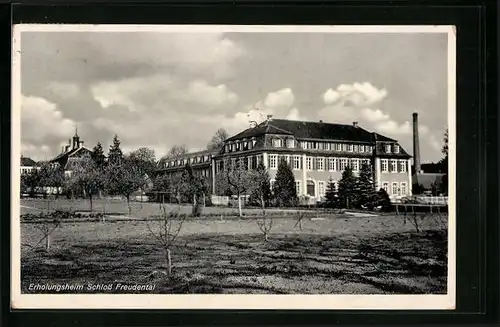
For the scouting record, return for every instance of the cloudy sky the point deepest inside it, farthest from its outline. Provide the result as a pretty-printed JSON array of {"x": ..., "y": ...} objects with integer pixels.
[{"x": 159, "y": 89}]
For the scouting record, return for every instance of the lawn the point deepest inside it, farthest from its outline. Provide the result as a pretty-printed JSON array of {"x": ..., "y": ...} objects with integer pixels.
[{"x": 338, "y": 254}]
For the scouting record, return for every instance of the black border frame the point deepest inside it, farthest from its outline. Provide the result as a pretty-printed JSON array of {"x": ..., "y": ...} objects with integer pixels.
[{"x": 477, "y": 148}]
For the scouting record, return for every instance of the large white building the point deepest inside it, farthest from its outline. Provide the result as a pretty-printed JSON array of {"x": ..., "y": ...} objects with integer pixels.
[{"x": 316, "y": 152}]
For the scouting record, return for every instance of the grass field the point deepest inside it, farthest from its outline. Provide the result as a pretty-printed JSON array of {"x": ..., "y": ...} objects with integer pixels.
[{"x": 339, "y": 254}]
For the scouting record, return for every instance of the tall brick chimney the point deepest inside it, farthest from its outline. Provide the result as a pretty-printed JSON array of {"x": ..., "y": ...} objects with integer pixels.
[{"x": 416, "y": 144}]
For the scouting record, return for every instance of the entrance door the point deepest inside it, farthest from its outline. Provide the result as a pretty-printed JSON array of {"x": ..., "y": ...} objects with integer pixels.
[{"x": 311, "y": 188}]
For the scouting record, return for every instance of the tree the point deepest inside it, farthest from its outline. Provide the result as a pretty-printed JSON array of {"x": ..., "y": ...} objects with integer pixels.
[
  {"x": 348, "y": 188},
  {"x": 261, "y": 193},
  {"x": 239, "y": 181},
  {"x": 331, "y": 194},
  {"x": 115, "y": 154},
  {"x": 218, "y": 139},
  {"x": 145, "y": 159},
  {"x": 88, "y": 177},
  {"x": 366, "y": 185},
  {"x": 98, "y": 156},
  {"x": 175, "y": 152},
  {"x": 444, "y": 164},
  {"x": 384, "y": 200},
  {"x": 31, "y": 181},
  {"x": 193, "y": 187},
  {"x": 284, "y": 190},
  {"x": 124, "y": 179},
  {"x": 167, "y": 229}
]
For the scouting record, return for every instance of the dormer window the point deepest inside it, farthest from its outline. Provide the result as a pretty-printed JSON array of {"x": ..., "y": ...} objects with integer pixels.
[
  {"x": 396, "y": 148},
  {"x": 253, "y": 142},
  {"x": 277, "y": 143},
  {"x": 350, "y": 147},
  {"x": 290, "y": 143},
  {"x": 387, "y": 148}
]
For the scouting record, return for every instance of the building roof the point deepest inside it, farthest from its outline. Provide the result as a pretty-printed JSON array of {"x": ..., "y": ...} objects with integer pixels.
[
  {"x": 28, "y": 162},
  {"x": 312, "y": 130}
]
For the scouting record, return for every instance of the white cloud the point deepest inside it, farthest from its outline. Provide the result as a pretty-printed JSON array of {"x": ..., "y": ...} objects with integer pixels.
[
  {"x": 201, "y": 92},
  {"x": 357, "y": 94},
  {"x": 283, "y": 98},
  {"x": 41, "y": 124},
  {"x": 160, "y": 92},
  {"x": 212, "y": 52},
  {"x": 43, "y": 119}
]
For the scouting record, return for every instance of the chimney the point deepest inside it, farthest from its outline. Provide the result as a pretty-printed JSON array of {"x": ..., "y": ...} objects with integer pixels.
[
  {"x": 355, "y": 123},
  {"x": 269, "y": 117},
  {"x": 416, "y": 144},
  {"x": 321, "y": 121}
]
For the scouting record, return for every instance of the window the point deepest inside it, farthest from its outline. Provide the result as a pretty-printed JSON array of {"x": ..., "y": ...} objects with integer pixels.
[
  {"x": 303, "y": 145},
  {"x": 368, "y": 149},
  {"x": 277, "y": 143},
  {"x": 296, "y": 162},
  {"x": 317, "y": 145},
  {"x": 259, "y": 160},
  {"x": 396, "y": 148},
  {"x": 290, "y": 143},
  {"x": 385, "y": 186},
  {"x": 309, "y": 163},
  {"x": 297, "y": 186},
  {"x": 320, "y": 163},
  {"x": 403, "y": 188},
  {"x": 331, "y": 164},
  {"x": 343, "y": 163},
  {"x": 321, "y": 188},
  {"x": 272, "y": 184},
  {"x": 384, "y": 165},
  {"x": 252, "y": 144},
  {"x": 387, "y": 148},
  {"x": 356, "y": 148},
  {"x": 338, "y": 146},
  {"x": 361, "y": 148},
  {"x": 273, "y": 161},
  {"x": 394, "y": 166},
  {"x": 394, "y": 188},
  {"x": 287, "y": 159},
  {"x": 326, "y": 146},
  {"x": 402, "y": 166},
  {"x": 355, "y": 164},
  {"x": 350, "y": 147},
  {"x": 233, "y": 162}
]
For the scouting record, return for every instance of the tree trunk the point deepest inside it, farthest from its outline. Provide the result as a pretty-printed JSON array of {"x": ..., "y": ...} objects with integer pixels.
[
  {"x": 47, "y": 242},
  {"x": 169, "y": 262},
  {"x": 90, "y": 200},
  {"x": 240, "y": 214},
  {"x": 128, "y": 205}
]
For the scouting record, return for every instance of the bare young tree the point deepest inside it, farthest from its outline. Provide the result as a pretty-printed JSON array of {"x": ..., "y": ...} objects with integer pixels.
[
  {"x": 218, "y": 139},
  {"x": 239, "y": 180},
  {"x": 258, "y": 183},
  {"x": 300, "y": 216},
  {"x": 166, "y": 231},
  {"x": 47, "y": 224}
]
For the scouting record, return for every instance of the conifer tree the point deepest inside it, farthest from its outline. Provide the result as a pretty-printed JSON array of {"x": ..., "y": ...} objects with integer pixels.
[
  {"x": 366, "y": 185},
  {"x": 331, "y": 194},
  {"x": 348, "y": 188},
  {"x": 98, "y": 155},
  {"x": 115, "y": 154},
  {"x": 285, "y": 193}
]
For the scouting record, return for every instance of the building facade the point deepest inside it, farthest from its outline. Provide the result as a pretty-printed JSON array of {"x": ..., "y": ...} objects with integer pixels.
[{"x": 316, "y": 153}]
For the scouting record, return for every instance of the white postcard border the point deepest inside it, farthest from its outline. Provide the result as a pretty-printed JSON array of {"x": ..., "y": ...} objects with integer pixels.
[{"x": 174, "y": 301}]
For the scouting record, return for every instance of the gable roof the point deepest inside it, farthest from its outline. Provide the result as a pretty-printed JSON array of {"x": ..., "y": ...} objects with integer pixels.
[
  {"x": 28, "y": 162},
  {"x": 312, "y": 130}
]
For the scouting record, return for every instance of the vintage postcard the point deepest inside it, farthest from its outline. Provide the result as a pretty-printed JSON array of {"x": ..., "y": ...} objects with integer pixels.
[{"x": 233, "y": 167}]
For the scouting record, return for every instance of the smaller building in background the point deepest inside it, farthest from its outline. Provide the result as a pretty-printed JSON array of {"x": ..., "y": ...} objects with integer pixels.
[
  {"x": 71, "y": 154},
  {"x": 28, "y": 165}
]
